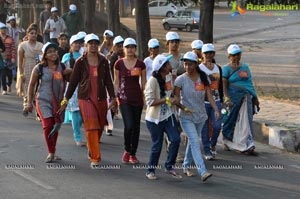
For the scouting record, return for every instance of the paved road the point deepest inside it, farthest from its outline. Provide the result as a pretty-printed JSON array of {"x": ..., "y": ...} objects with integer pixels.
[{"x": 235, "y": 176}]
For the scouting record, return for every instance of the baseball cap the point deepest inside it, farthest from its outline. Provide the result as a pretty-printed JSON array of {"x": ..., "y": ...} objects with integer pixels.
[
  {"x": 2, "y": 25},
  {"x": 74, "y": 38},
  {"x": 11, "y": 18},
  {"x": 109, "y": 33},
  {"x": 153, "y": 43},
  {"x": 172, "y": 36},
  {"x": 81, "y": 35},
  {"x": 73, "y": 7},
  {"x": 190, "y": 56},
  {"x": 47, "y": 45},
  {"x": 208, "y": 48},
  {"x": 118, "y": 39},
  {"x": 159, "y": 61},
  {"x": 54, "y": 9},
  {"x": 91, "y": 37},
  {"x": 129, "y": 41},
  {"x": 233, "y": 49},
  {"x": 197, "y": 44}
]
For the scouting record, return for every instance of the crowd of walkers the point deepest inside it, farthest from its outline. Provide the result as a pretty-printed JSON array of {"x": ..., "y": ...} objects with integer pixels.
[{"x": 66, "y": 75}]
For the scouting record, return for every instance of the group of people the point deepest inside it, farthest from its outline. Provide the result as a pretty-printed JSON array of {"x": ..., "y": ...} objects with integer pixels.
[{"x": 89, "y": 81}]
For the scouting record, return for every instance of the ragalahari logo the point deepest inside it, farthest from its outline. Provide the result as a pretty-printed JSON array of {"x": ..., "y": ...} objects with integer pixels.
[{"x": 237, "y": 9}]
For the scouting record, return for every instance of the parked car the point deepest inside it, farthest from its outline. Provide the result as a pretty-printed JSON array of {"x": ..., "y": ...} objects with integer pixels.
[
  {"x": 160, "y": 8},
  {"x": 187, "y": 19}
]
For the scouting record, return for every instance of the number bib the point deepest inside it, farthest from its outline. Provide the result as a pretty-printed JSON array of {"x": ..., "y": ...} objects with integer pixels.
[
  {"x": 57, "y": 75},
  {"x": 135, "y": 71},
  {"x": 199, "y": 86}
]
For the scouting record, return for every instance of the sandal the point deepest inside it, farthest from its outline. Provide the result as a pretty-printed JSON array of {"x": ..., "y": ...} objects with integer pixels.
[
  {"x": 173, "y": 173},
  {"x": 49, "y": 158}
]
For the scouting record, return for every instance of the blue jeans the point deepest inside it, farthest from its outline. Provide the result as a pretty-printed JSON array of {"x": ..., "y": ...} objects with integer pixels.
[
  {"x": 193, "y": 150},
  {"x": 132, "y": 121},
  {"x": 206, "y": 141},
  {"x": 170, "y": 126},
  {"x": 76, "y": 125},
  {"x": 3, "y": 79}
]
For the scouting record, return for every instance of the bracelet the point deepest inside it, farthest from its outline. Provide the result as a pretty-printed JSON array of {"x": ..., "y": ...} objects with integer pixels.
[
  {"x": 185, "y": 109},
  {"x": 227, "y": 99},
  {"x": 168, "y": 102},
  {"x": 63, "y": 102},
  {"x": 22, "y": 75}
]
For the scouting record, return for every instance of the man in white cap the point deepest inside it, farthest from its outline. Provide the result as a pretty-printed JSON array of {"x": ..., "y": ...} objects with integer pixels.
[
  {"x": 196, "y": 47},
  {"x": 153, "y": 48},
  {"x": 44, "y": 16},
  {"x": 55, "y": 25},
  {"x": 91, "y": 72},
  {"x": 107, "y": 43},
  {"x": 13, "y": 30},
  {"x": 73, "y": 20}
]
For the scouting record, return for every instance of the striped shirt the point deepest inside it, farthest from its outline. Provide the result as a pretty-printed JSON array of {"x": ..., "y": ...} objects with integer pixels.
[{"x": 10, "y": 48}]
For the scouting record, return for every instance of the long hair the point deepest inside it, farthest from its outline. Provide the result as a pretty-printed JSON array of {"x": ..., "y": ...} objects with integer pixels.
[
  {"x": 160, "y": 80},
  {"x": 203, "y": 76}
]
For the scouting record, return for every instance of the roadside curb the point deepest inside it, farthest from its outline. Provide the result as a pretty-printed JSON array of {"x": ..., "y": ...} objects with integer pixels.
[{"x": 280, "y": 137}]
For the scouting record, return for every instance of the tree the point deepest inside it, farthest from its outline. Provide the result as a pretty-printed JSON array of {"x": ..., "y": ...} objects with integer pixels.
[
  {"x": 143, "y": 31},
  {"x": 89, "y": 14},
  {"x": 206, "y": 20},
  {"x": 113, "y": 19}
]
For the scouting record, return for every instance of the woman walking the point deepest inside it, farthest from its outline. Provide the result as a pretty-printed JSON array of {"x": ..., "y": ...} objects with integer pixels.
[
  {"x": 28, "y": 52},
  {"x": 128, "y": 72},
  {"x": 50, "y": 76},
  {"x": 72, "y": 111},
  {"x": 91, "y": 75},
  {"x": 191, "y": 88},
  {"x": 209, "y": 136},
  {"x": 240, "y": 98},
  {"x": 160, "y": 116}
]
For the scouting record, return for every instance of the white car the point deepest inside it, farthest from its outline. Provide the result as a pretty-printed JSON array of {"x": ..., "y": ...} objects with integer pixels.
[{"x": 160, "y": 8}]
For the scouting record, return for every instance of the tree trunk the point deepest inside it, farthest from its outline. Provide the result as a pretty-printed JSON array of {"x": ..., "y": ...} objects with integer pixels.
[
  {"x": 36, "y": 10},
  {"x": 113, "y": 19},
  {"x": 64, "y": 6},
  {"x": 206, "y": 20},
  {"x": 89, "y": 15},
  {"x": 122, "y": 8},
  {"x": 102, "y": 6},
  {"x": 23, "y": 13},
  {"x": 143, "y": 30}
]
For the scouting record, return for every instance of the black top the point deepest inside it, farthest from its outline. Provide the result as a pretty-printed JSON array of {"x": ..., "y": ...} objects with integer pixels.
[{"x": 62, "y": 51}]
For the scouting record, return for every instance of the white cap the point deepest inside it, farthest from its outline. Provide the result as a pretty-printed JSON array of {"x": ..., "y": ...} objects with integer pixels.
[
  {"x": 91, "y": 37},
  {"x": 109, "y": 33},
  {"x": 74, "y": 38},
  {"x": 54, "y": 9},
  {"x": 191, "y": 56},
  {"x": 233, "y": 49},
  {"x": 73, "y": 7},
  {"x": 172, "y": 36},
  {"x": 159, "y": 61},
  {"x": 208, "y": 48},
  {"x": 118, "y": 39},
  {"x": 197, "y": 44},
  {"x": 2, "y": 25},
  {"x": 129, "y": 41},
  {"x": 48, "y": 45},
  {"x": 81, "y": 35},
  {"x": 11, "y": 18},
  {"x": 153, "y": 43}
]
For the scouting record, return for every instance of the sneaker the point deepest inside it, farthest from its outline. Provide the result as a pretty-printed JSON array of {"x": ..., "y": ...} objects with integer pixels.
[
  {"x": 173, "y": 173},
  {"x": 4, "y": 93},
  {"x": 188, "y": 173},
  {"x": 81, "y": 144},
  {"x": 125, "y": 157},
  {"x": 205, "y": 176},
  {"x": 8, "y": 89},
  {"x": 208, "y": 157},
  {"x": 108, "y": 133},
  {"x": 94, "y": 165},
  {"x": 89, "y": 155},
  {"x": 133, "y": 159},
  {"x": 151, "y": 176},
  {"x": 49, "y": 158}
]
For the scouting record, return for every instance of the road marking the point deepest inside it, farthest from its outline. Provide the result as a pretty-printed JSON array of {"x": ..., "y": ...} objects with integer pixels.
[
  {"x": 295, "y": 166},
  {"x": 33, "y": 180}
]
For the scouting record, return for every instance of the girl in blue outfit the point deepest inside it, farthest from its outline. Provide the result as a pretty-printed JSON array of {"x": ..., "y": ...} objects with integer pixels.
[
  {"x": 240, "y": 97},
  {"x": 72, "y": 111}
]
